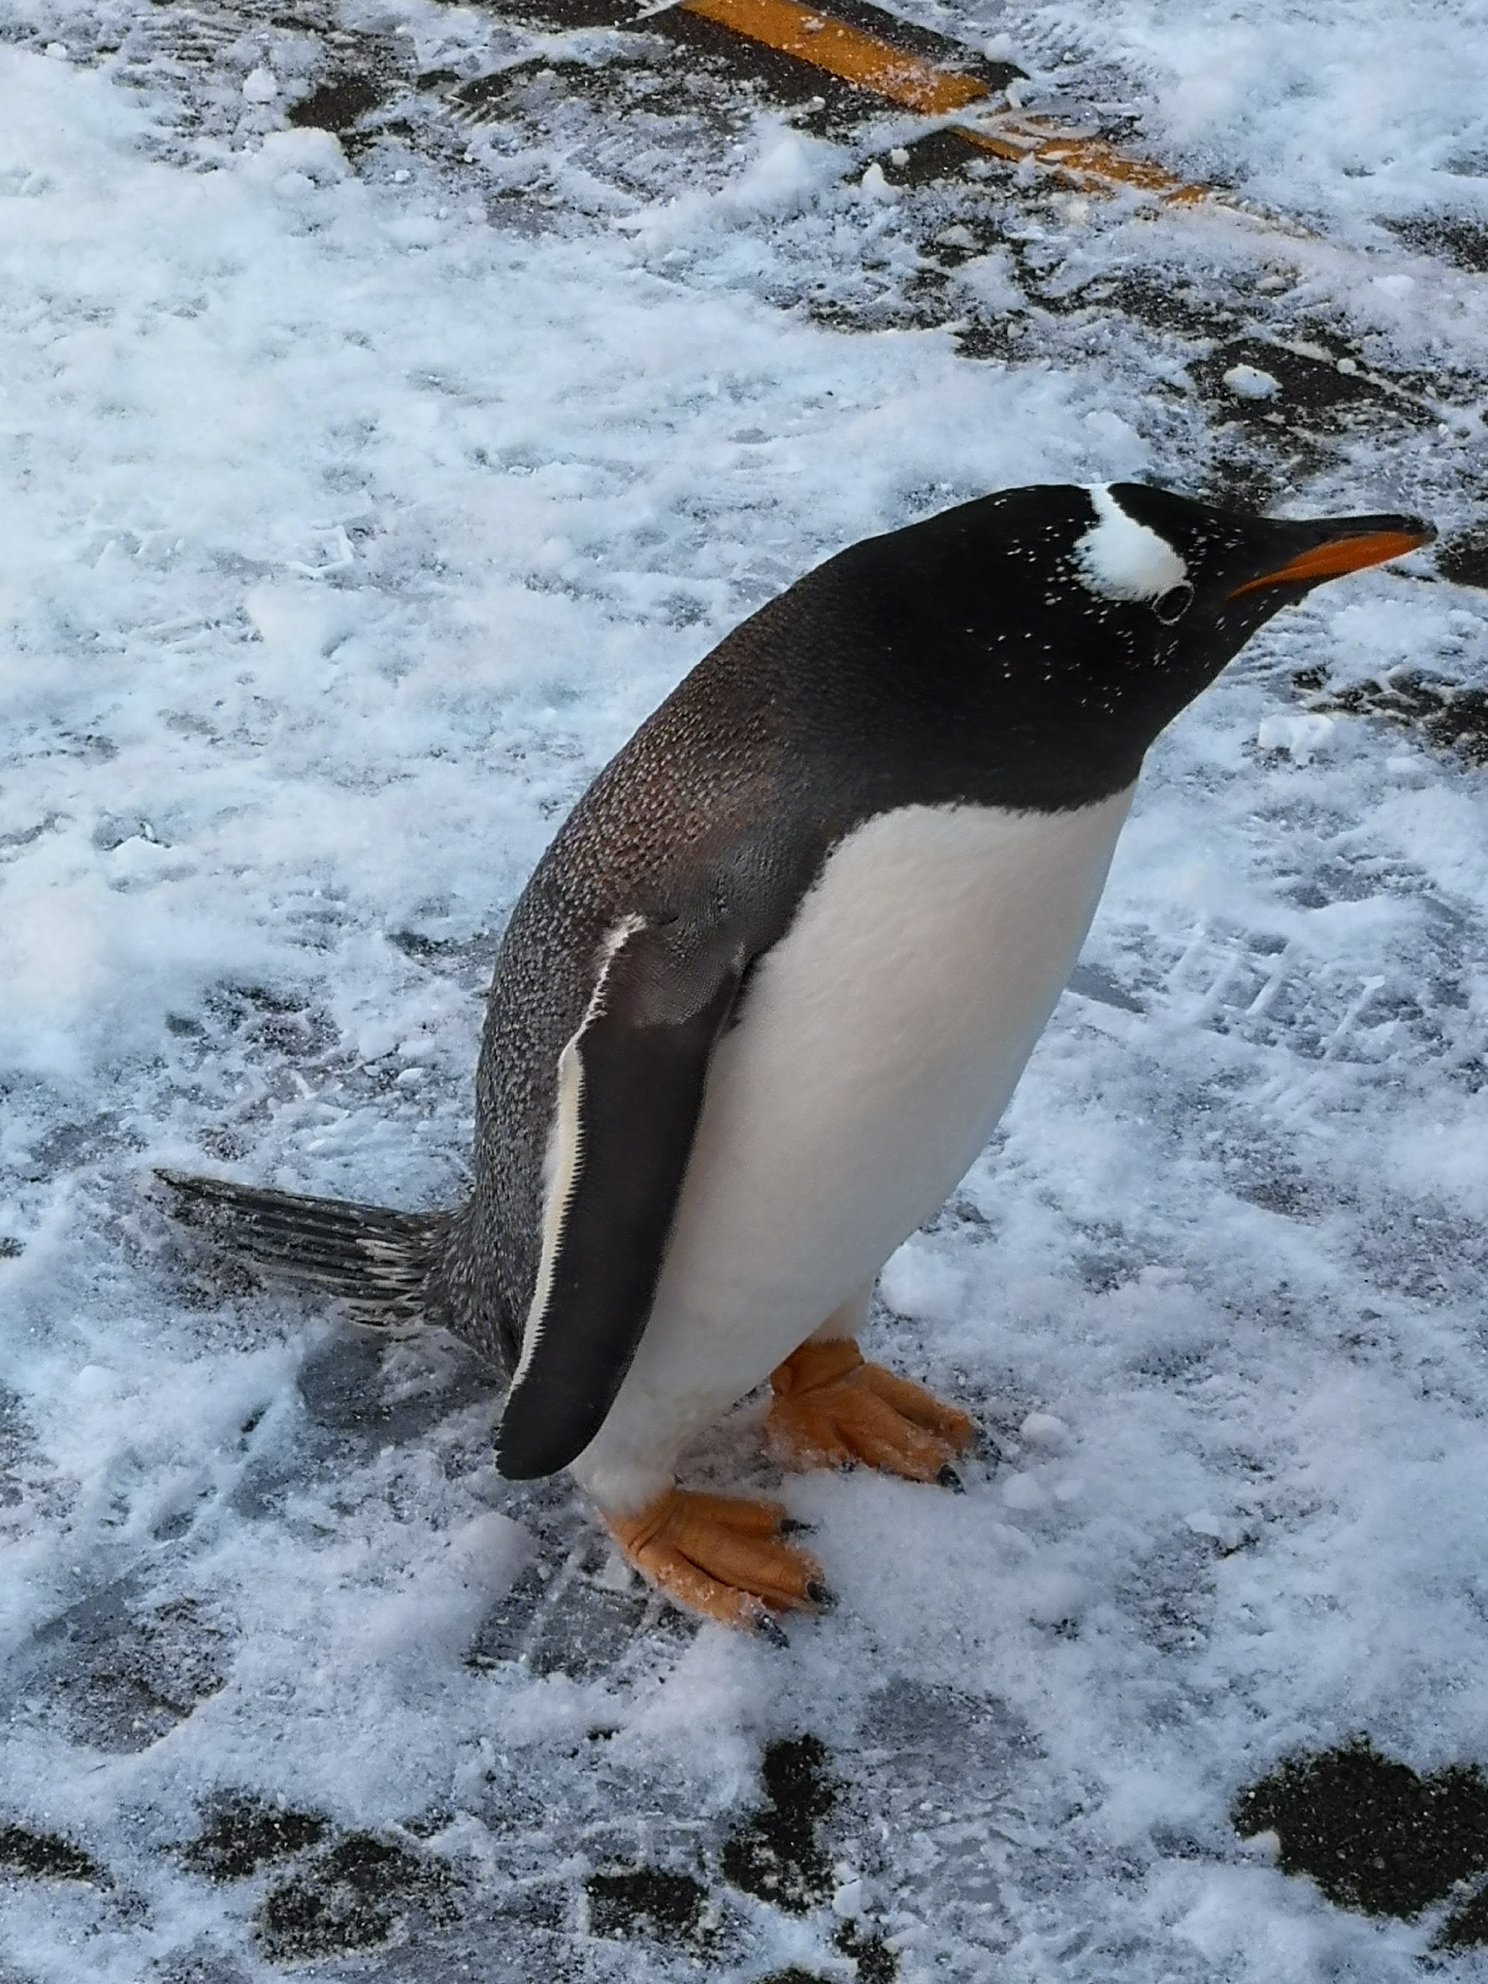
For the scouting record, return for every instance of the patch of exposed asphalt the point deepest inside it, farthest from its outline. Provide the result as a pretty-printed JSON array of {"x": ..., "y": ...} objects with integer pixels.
[
  {"x": 1466, "y": 1928},
  {"x": 352, "y": 1897},
  {"x": 872, "y": 1957},
  {"x": 1463, "y": 557},
  {"x": 243, "y": 1833},
  {"x": 1446, "y": 714},
  {"x": 46, "y": 1856},
  {"x": 776, "y": 1855},
  {"x": 338, "y": 103},
  {"x": 1461, "y": 242},
  {"x": 872, "y": 1960},
  {"x": 649, "y": 1902},
  {"x": 1301, "y": 384},
  {"x": 1376, "y": 1835}
]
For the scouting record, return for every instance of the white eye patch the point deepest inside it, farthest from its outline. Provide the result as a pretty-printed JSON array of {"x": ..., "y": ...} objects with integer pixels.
[{"x": 1118, "y": 558}]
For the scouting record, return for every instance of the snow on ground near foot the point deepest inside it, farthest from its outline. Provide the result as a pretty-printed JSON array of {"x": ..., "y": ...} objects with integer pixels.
[{"x": 344, "y": 539}]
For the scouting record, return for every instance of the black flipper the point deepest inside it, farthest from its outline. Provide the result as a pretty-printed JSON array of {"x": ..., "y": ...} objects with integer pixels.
[
  {"x": 630, "y": 1092},
  {"x": 386, "y": 1266}
]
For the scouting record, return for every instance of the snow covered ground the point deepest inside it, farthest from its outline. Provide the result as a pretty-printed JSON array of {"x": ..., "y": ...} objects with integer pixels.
[{"x": 353, "y": 513}]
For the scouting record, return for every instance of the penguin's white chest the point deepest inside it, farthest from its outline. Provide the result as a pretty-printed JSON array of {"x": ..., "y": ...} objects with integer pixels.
[{"x": 878, "y": 1044}]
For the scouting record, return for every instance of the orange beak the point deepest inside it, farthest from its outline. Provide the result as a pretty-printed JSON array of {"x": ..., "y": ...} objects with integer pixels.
[{"x": 1330, "y": 561}]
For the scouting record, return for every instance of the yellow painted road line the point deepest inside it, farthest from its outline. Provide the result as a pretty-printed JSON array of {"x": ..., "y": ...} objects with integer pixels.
[
  {"x": 1089, "y": 162},
  {"x": 855, "y": 56},
  {"x": 844, "y": 51}
]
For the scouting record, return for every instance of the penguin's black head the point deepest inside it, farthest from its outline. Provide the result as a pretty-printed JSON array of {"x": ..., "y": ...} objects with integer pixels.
[
  {"x": 1031, "y": 645},
  {"x": 1184, "y": 585},
  {"x": 1167, "y": 590}
]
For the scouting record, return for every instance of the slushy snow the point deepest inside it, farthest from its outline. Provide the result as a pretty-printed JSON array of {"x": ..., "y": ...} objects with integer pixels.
[{"x": 345, "y": 536}]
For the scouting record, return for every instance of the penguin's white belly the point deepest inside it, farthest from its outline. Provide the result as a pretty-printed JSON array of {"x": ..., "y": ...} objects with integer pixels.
[{"x": 879, "y": 1042}]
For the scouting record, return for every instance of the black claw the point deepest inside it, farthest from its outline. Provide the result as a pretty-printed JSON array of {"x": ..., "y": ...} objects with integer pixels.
[
  {"x": 793, "y": 1526},
  {"x": 769, "y": 1628},
  {"x": 820, "y": 1597},
  {"x": 949, "y": 1478}
]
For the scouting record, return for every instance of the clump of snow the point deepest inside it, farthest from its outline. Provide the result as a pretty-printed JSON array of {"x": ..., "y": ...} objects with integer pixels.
[
  {"x": 923, "y": 1282},
  {"x": 1249, "y": 382},
  {"x": 1044, "y": 1429},
  {"x": 1302, "y": 734}
]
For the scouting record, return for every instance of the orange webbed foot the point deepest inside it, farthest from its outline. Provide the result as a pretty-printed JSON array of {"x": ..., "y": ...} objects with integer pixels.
[
  {"x": 719, "y": 1556},
  {"x": 832, "y": 1409}
]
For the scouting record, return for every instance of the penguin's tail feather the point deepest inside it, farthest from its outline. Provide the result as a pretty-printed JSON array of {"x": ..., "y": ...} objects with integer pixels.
[{"x": 386, "y": 1267}]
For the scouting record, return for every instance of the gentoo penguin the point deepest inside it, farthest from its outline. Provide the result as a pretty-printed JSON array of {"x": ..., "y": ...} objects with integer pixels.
[{"x": 771, "y": 986}]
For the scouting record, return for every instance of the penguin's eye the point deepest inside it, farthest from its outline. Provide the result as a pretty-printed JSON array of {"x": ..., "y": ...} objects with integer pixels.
[{"x": 1174, "y": 603}]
